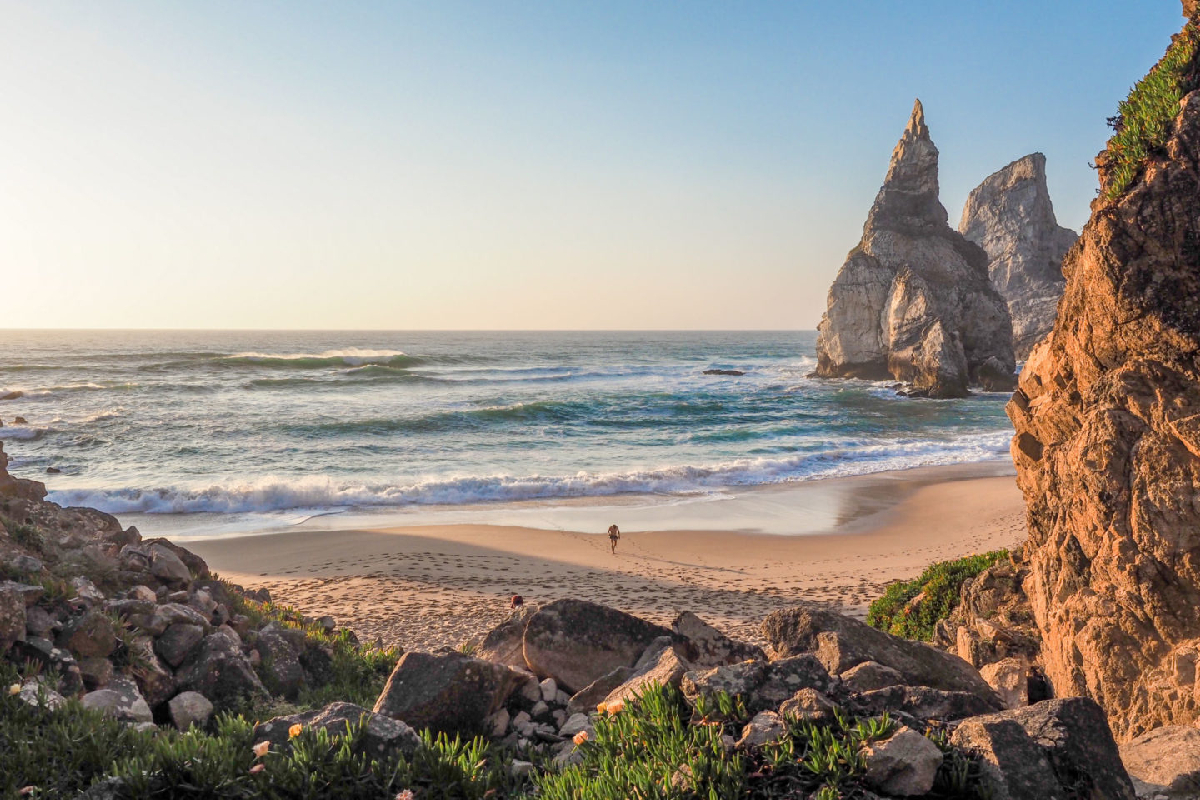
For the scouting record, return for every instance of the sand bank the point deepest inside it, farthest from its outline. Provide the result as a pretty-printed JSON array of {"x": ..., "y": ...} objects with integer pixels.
[{"x": 429, "y": 585}]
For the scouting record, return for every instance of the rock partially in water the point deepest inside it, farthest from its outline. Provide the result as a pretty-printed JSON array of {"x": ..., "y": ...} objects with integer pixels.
[{"x": 913, "y": 300}]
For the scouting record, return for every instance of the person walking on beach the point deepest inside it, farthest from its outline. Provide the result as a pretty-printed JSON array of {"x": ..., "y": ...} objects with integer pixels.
[{"x": 614, "y": 535}]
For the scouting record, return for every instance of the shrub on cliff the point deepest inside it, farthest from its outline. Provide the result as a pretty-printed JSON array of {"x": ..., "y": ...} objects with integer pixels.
[
  {"x": 912, "y": 608},
  {"x": 1143, "y": 120}
]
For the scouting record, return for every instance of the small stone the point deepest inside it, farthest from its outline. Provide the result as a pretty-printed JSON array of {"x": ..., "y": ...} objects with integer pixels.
[
  {"x": 766, "y": 727},
  {"x": 499, "y": 722},
  {"x": 188, "y": 709},
  {"x": 120, "y": 700},
  {"x": 548, "y": 689},
  {"x": 540, "y": 709}
]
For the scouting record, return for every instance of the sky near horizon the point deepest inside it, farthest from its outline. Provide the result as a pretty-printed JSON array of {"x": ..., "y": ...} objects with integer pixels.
[{"x": 511, "y": 165}]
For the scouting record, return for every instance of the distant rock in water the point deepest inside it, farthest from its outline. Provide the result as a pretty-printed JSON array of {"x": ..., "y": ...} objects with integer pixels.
[
  {"x": 913, "y": 300},
  {"x": 1107, "y": 444},
  {"x": 1011, "y": 217},
  {"x": 734, "y": 372}
]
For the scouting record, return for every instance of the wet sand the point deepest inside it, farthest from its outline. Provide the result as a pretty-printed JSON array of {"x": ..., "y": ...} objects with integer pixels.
[{"x": 432, "y": 585}]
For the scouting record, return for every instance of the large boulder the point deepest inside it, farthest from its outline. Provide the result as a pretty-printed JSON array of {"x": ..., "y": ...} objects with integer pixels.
[
  {"x": 904, "y": 765},
  {"x": 660, "y": 665},
  {"x": 1165, "y": 762},
  {"x": 448, "y": 693},
  {"x": 705, "y": 646},
  {"x": 382, "y": 735},
  {"x": 575, "y": 642},
  {"x": 761, "y": 685},
  {"x": 505, "y": 644},
  {"x": 841, "y": 643},
  {"x": 913, "y": 301},
  {"x": 1107, "y": 444},
  {"x": 90, "y": 634},
  {"x": 1054, "y": 749},
  {"x": 1011, "y": 217}
]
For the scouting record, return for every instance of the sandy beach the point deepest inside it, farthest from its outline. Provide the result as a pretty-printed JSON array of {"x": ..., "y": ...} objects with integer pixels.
[{"x": 427, "y": 586}]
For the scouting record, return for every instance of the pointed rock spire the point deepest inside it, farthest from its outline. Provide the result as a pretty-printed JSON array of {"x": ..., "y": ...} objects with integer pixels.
[{"x": 908, "y": 199}]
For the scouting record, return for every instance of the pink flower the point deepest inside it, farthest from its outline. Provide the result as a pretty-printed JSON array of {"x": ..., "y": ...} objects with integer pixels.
[
  {"x": 261, "y": 749},
  {"x": 257, "y": 768},
  {"x": 406, "y": 794}
]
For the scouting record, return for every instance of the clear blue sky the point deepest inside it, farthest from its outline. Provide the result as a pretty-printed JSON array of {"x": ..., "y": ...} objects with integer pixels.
[{"x": 511, "y": 165}]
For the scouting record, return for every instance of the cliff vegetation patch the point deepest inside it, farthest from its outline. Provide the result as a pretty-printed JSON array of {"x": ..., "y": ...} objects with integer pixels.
[
  {"x": 911, "y": 609},
  {"x": 1143, "y": 121}
]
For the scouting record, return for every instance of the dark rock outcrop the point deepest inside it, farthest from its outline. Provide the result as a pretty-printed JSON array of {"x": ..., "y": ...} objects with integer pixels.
[
  {"x": 841, "y": 643},
  {"x": 1011, "y": 217},
  {"x": 913, "y": 301},
  {"x": 451, "y": 693},
  {"x": 381, "y": 735},
  {"x": 1107, "y": 448},
  {"x": 576, "y": 642},
  {"x": 1054, "y": 749}
]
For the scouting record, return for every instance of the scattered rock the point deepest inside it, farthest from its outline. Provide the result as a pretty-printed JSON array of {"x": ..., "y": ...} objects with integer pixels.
[
  {"x": 1165, "y": 762},
  {"x": 382, "y": 735},
  {"x": 220, "y": 671},
  {"x": 12, "y": 616},
  {"x": 120, "y": 700},
  {"x": 870, "y": 675},
  {"x": 923, "y": 703},
  {"x": 91, "y": 634},
  {"x": 841, "y": 643},
  {"x": 905, "y": 764},
  {"x": 660, "y": 665},
  {"x": 1010, "y": 679},
  {"x": 734, "y": 372},
  {"x": 705, "y": 646},
  {"x": 451, "y": 693},
  {"x": 38, "y": 694},
  {"x": 188, "y": 709},
  {"x": 807, "y": 704},
  {"x": 766, "y": 727},
  {"x": 178, "y": 641},
  {"x": 587, "y": 698}
]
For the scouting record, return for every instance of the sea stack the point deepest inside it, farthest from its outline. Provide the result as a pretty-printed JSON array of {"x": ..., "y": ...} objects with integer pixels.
[
  {"x": 913, "y": 301},
  {"x": 1107, "y": 444},
  {"x": 1011, "y": 217}
]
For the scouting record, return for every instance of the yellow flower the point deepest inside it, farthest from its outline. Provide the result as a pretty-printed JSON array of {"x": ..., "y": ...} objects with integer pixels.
[
  {"x": 616, "y": 707},
  {"x": 602, "y": 706},
  {"x": 14, "y": 690},
  {"x": 580, "y": 737},
  {"x": 294, "y": 731},
  {"x": 261, "y": 749}
]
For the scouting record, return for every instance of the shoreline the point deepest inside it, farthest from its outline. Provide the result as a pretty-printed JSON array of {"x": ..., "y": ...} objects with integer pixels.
[{"x": 437, "y": 585}]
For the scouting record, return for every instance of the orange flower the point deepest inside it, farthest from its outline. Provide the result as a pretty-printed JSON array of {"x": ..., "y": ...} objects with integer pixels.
[
  {"x": 602, "y": 706},
  {"x": 295, "y": 730},
  {"x": 14, "y": 690},
  {"x": 616, "y": 707},
  {"x": 261, "y": 749},
  {"x": 580, "y": 737}
]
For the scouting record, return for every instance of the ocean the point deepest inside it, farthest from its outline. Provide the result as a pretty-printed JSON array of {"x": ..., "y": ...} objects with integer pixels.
[{"x": 272, "y": 427}]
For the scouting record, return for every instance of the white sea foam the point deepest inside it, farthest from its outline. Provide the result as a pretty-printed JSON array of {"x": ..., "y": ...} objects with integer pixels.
[
  {"x": 351, "y": 356},
  {"x": 275, "y": 494}
]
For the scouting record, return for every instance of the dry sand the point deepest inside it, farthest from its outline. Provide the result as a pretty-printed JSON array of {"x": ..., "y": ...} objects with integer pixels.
[{"x": 427, "y": 586}]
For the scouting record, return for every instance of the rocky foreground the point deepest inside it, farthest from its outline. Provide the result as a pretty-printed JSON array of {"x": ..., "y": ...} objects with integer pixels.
[{"x": 142, "y": 632}]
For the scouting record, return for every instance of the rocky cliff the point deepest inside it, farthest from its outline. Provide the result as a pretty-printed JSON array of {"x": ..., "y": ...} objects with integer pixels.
[
  {"x": 1107, "y": 419},
  {"x": 913, "y": 300},
  {"x": 1011, "y": 217}
]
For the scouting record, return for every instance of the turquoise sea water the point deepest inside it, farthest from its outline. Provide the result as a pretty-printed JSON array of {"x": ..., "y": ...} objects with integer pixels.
[{"x": 185, "y": 422}]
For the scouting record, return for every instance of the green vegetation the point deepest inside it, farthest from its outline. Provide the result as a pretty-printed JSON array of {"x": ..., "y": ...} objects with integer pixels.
[
  {"x": 24, "y": 535},
  {"x": 1143, "y": 120},
  {"x": 912, "y": 608}
]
